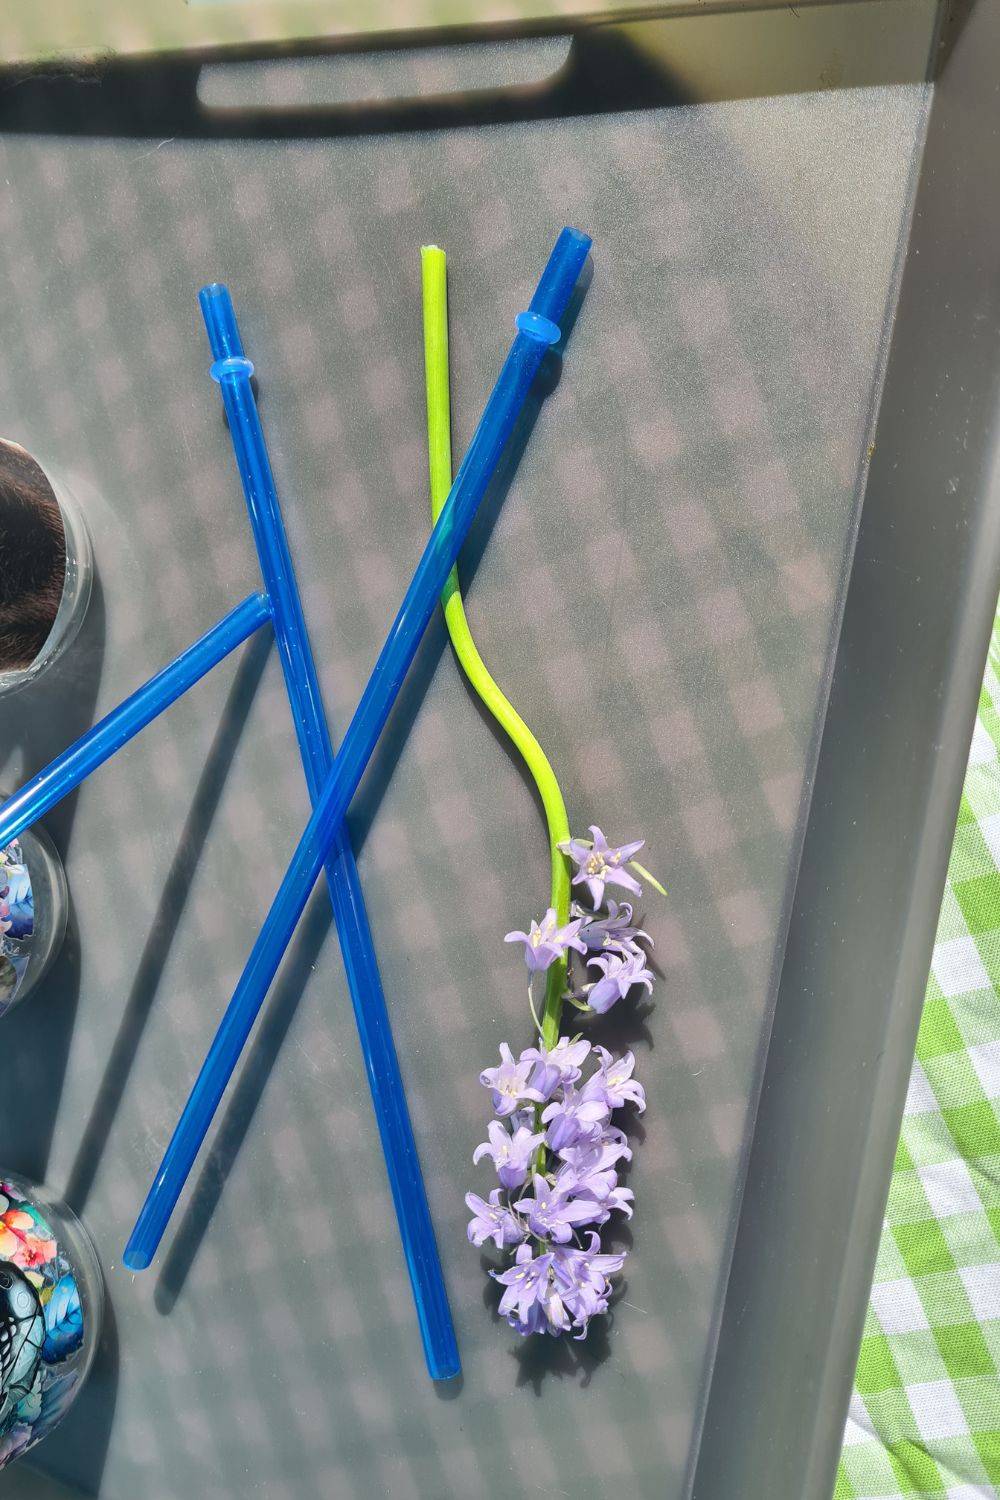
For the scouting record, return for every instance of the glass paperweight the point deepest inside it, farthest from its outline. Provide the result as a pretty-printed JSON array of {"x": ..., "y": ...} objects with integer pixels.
[
  {"x": 51, "y": 1303},
  {"x": 33, "y": 908},
  {"x": 46, "y": 568}
]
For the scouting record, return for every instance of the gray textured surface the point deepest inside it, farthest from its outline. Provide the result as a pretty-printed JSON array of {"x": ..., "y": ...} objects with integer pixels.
[{"x": 659, "y": 594}]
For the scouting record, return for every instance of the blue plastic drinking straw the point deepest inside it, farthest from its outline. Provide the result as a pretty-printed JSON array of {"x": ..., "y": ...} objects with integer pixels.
[
  {"x": 92, "y": 749},
  {"x": 538, "y": 330},
  {"x": 233, "y": 370}
]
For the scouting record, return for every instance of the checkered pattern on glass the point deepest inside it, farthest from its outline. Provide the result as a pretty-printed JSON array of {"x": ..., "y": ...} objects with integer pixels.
[
  {"x": 659, "y": 594},
  {"x": 925, "y": 1415}
]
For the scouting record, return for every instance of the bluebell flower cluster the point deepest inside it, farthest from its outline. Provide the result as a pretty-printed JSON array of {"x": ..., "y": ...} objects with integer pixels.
[{"x": 554, "y": 1143}]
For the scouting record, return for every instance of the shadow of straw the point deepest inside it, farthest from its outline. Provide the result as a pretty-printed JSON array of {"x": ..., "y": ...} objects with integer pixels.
[
  {"x": 299, "y": 963},
  {"x": 170, "y": 909}
]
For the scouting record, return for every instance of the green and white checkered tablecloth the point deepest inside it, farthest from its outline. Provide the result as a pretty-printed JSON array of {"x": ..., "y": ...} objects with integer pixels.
[{"x": 925, "y": 1414}]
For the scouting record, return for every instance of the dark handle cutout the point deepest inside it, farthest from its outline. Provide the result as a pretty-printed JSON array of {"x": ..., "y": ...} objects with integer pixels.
[{"x": 596, "y": 70}]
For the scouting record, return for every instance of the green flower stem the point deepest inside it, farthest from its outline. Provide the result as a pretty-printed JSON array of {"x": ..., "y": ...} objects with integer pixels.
[{"x": 435, "y": 300}]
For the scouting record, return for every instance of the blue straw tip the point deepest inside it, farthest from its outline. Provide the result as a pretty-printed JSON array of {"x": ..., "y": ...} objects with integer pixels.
[
  {"x": 562, "y": 271},
  {"x": 576, "y": 237},
  {"x": 220, "y": 320},
  {"x": 215, "y": 291},
  {"x": 135, "y": 1259}
]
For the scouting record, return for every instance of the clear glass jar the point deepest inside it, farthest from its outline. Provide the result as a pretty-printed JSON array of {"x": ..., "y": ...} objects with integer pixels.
[
  {"x": 46, "y": 568},
  {"x": 33, "y": 908},
  {"x": 51, "y": 1307}
]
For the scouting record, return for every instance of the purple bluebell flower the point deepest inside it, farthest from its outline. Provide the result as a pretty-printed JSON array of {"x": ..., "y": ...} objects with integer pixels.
[
  {"x": 609, "y": 1195},
  {"x": 582, "y": 1278},
  {"x": 527, "y": 1286},
  {"x": 508, "y": 1083},
  {"x": 616, "y": 931},
  {"x": 588, "y": 1165},
  {"x": 546, "y": 941},
  {"x": 621, "y": 1198},
  {"x": 573, "y": 1118},
  {"x": 511, "y": 1154},
  {"x": 590, "y": 1172},
  {"x": 553, "y": 1214},
  {"x": 557, "y": 1315},
  {"x": 534, "y": 1320},
  {"x": 613, "y": 1081},
  {"x": 493, "y": 1220},
  {"x": 600, "y": 864},
  {"x": 533, "y": 1298},
  {"x": 556, "y": 1066},
  {"x": 618, "y": 975}
]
